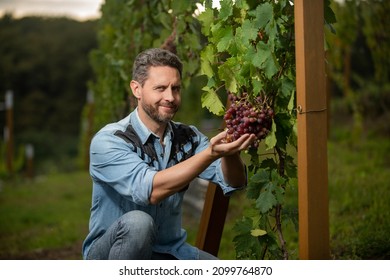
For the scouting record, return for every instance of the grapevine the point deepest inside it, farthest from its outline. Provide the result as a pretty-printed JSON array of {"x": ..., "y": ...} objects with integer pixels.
[{"x": 251, "y": 55}]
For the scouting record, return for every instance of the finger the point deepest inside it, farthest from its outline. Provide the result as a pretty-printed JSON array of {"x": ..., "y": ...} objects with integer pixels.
[
  {"x": 243, "y": 138},
  {"x": 247, "y": 140},
  {"x": 240, "y": 143},
  {"x": 219, "y": 137}
]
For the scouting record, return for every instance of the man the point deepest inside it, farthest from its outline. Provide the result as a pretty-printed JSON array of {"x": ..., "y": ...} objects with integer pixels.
[{"x": 142, "y": 165}]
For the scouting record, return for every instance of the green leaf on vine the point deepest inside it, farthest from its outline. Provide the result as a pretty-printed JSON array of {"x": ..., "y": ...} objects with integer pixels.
[
  {"x": 267, "y": 199},
  {"x": 256, "y": 183},
  {"x": 211, "y": 101},
  {"x": 287, "y": 87},
  {"x": 291, "y": 103},
  {"x": 227, "y": 74},
  {"x": 263, "y": 14},
  {"x": 260, "y": 56},
  {"x": 294, "y": 133},
  {"x": 225, "y": 38},
  {"x": 226, "y": 10},
  {"x": 258, "y": 232},
  {"x": 208, "y": 57},
  {"x": 245, "y": 244},
  {"x": 207, "y": 19},
  {"x": 249, "y": 31},
  {"x": 270, "y": 140},
  {"x": 283, "y": 123},
  {"x": 269, "y": 163},
  {"x": 291, "y": 167},
  {"x": 179, "y": 6}
]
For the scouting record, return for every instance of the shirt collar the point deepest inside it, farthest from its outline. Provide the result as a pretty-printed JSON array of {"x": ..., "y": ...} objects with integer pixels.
[{"x": 143, "y": 132}]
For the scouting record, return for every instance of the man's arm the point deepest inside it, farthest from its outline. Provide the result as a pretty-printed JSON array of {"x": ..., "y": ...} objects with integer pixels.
[
  {"x": 171, "y": 180},
  {"x": 233, "y": 169}
]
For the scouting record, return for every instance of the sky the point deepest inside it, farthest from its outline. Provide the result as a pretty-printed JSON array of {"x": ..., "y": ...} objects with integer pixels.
[{"x": 78, "y": 9}]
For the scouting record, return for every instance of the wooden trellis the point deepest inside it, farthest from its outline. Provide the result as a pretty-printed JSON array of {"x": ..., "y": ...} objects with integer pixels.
[{"x": 312, "y": 144}]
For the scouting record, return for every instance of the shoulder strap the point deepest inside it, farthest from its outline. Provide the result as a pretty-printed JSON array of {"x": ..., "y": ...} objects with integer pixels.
[
  {"x": 131, "y": 136},
  {"x": 183, "y": 135}
]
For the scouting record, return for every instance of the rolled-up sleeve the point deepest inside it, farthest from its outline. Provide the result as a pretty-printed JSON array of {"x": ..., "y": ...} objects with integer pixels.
[{"x": 114, "y": 163}]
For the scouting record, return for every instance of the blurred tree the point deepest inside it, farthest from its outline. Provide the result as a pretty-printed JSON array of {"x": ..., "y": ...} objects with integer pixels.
[
  {"x": 45, "y": 62},
  {"x": 358, "y": 60},
  {"x": 376, "y": 31}
]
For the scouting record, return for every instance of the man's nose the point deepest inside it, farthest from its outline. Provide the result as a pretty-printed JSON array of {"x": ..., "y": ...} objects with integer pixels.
[{"x": 168, "y": 95}]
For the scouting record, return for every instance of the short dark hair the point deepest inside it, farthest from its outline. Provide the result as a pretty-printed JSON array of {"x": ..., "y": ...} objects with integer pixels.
[{"x": 154, "y": 57}]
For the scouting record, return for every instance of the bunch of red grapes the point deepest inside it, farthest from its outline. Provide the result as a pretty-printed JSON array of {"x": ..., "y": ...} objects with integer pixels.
[{"x": 245, "y": 116}]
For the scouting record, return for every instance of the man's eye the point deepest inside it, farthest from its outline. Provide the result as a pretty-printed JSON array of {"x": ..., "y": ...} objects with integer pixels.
[{"x": 160, "y": 89}]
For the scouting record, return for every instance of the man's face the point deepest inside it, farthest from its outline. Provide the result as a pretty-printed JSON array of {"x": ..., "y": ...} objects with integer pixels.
[{"x": 160, "y": 97}]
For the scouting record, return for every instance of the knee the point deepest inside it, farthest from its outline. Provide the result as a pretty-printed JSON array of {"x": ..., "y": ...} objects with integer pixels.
[{"x": 138, "y": 222}]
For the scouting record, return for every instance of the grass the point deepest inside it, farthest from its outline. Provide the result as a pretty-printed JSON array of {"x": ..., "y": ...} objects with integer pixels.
[
  {"x": 47, "y": 218},
  {"x": 48, "y": 213},
  {"x": 359, "y": 175}
]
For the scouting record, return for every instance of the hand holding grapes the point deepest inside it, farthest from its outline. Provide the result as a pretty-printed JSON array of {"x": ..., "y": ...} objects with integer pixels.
[{"x": 220, "y": 148}]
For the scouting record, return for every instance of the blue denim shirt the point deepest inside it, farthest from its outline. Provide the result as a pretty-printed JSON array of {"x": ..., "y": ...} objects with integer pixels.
[{"x": 122, "y": 181}]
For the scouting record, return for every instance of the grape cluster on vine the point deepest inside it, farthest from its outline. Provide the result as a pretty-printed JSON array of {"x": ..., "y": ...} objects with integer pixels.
[{"x": 247, "y": 116}]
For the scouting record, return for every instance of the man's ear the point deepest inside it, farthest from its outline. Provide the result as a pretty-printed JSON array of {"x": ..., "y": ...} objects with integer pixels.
[{"x": 136, "y": 89}]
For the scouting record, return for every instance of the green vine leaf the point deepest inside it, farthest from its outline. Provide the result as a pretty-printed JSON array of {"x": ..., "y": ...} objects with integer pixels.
[
  {"x": 282, "y": 121},
  {"x": 246, "y": 246},
  {"x": 267, "y": 199},
  {"x": 263, "y": 14},
  {"x": 249, "y": 31},
  {"x": 256, "y": 183},
  {"x": 207, "y": 19},
  {"x": 269, "y": 163},
  {"x": 270, "y": 140},
  {"x": 258, "y": 232},
  {"x": 226, "y": 10},
  {"x": 267, "y": 60},
  {"x": 211, "y": 101},
  {"x": 206, "y": 63},
  {"x": 226, "y": 37},
  {"x": 227, "y": 74}
]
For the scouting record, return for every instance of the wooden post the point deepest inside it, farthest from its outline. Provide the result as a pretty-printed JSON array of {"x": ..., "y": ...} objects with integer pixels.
[
  {"x": 312, "y": 130},
  {"x": 212, "y": 220},
  {"x": 9, "y": 131},
  {"x": 29, "y": 161}
]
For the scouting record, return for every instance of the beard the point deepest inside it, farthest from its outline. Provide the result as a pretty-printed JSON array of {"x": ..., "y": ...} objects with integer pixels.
[{"x": 155, "y": 115}]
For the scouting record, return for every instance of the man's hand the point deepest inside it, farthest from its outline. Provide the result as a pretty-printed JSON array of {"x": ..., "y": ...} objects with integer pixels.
[{"x": 220, "y": 148}]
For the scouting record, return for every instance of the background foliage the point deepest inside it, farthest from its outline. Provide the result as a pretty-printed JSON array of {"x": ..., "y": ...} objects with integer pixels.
[{"x": 44, "y": 61}]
